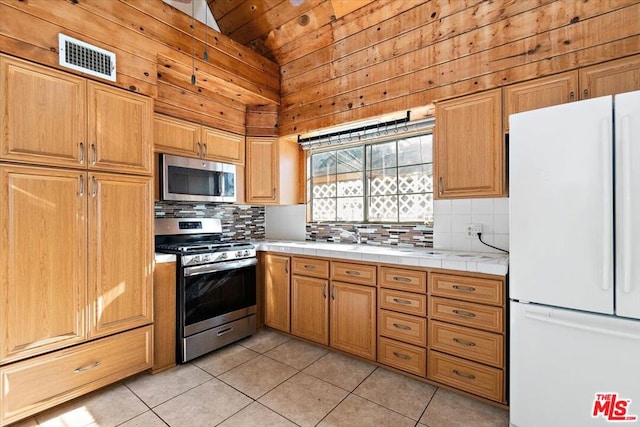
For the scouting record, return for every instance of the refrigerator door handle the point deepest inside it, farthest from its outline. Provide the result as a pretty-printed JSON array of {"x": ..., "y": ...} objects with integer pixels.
[
  {"x": 607, "y": 202},
  {"x": 625, "y": 216},
  {"x": 546, "y": 317}
]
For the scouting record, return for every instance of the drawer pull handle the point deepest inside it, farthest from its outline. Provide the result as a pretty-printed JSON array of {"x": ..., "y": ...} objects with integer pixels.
[
  {"x": 464, "y": 288},
  {"x": 352, "y": 273},
  {"x": 465, "y": 342},
  {"x": 463, "y": 375},
  {"x": 401, "y": 279},
  {"x": 224, "y": 331},
  {"x": 324, "y": 291},
  {"x": 403, "y": 327},
  {"x": 401, "y": 356},
  {"x": 464, "y": 313},
  {"x": 402, "y": 301},
  {"x": 86, "y": 368},
  {"x": 309, "y": 267}
]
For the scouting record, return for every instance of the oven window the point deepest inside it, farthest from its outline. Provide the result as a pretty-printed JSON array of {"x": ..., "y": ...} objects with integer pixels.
[
  {"x": 192, "y": 181},
  {"x": 213, "y": 294}
]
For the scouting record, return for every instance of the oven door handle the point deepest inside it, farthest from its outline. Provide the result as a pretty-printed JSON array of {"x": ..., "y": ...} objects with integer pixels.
[{"x": 219, "y": 266}]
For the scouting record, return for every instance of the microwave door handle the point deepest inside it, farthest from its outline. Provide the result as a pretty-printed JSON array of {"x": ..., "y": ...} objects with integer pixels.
[{"x": 221, "y": 182}]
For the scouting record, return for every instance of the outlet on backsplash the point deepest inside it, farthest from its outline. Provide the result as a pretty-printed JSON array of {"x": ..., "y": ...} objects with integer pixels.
[
  {"x": 452, "y": 218},
  {"x": 474, "y": 229}
]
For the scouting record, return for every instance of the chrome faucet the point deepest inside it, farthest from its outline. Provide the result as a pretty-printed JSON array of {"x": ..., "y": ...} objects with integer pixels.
[{"x": 355, "y": 235}]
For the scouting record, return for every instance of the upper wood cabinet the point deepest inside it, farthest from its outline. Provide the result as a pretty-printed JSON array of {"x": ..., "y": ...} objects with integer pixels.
[
  {"x": 53, "y": 118},
  {"x": 277, "y": 292},
  {"x": 273, "y": 173},
  {"x": 539, "y": 93},
  {"x": 468, "y": 147},
  {"x": 183, "y": 138},
  {"x": 610, "y": 78}
]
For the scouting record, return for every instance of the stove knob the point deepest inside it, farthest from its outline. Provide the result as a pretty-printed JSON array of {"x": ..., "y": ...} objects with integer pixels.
[
  {"x": 206, "y": 258},
  {"x": 246, "y": 253},
  {"x": 195, "y": 259},
  {"x": 223, "y": 255},
  {"x": 238, "y": 254}
]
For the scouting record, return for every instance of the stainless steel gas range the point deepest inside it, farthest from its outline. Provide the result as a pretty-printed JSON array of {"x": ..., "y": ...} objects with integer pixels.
[{"x": 215, "y": 284}]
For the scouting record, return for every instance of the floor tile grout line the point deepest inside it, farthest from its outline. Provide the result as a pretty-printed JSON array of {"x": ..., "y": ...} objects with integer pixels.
[{"x": 428, "y": 403}]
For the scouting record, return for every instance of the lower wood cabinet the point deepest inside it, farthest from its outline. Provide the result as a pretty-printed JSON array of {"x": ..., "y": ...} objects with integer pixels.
[
  {"x": 41, "y": 382},
  {"x": 466, "y": 336},
  {"x": 353, "y": 319},
  {"x": 164, "y": 316},
  {"x": 277, "y": 292},
  {"x": 444, "y": 326},
  {"x": 310, "y": 308},
  {"x": 469, "y": 376},
  {"x": 402, "y": 356}
]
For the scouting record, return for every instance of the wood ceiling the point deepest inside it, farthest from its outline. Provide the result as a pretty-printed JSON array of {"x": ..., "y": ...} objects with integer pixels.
[{"x": 284, "y": 30}]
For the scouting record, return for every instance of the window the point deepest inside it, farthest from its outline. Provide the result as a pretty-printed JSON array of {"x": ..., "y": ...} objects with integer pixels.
[{"x": 383, "y": 182}]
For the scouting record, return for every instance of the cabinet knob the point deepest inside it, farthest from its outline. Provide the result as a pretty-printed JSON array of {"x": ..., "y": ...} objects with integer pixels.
[
  {"x": 572, "y": 96},
  {"x": 585, "y": 93},
  {"x": 81, "y": 152},
  {"x": 440, "y": 186}
]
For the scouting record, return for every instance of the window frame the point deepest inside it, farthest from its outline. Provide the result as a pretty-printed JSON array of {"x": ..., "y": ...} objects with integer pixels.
[{"x": 364, "y": 172}]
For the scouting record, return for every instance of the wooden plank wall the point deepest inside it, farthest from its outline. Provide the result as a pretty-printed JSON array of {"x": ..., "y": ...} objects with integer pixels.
[
  {"x": 433, "y": 50},
  {"x": 154, "y": 45}
]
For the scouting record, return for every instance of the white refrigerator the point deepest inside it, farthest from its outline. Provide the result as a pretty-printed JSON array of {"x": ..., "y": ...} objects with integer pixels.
[{"x": 574, "y": 264}]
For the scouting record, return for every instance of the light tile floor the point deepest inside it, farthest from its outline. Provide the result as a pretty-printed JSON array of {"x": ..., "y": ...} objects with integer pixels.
[{"x": 271, "y": 379}]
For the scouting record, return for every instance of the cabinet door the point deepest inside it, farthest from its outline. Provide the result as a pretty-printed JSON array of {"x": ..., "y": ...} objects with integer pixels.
[
  {"x": 42, "y": 260},
  {"x": 310, "y": 308},
  {"x": 539, "y": 93},
  {"x": 119, "y": 126},
  {"x": 164, "y": 316},
  {"x": 610, "y": 78},
  {"x": 222, "y": 146},
  {"x": 353, "y": 319},
  {"x": 262, "y": 170},
  {"x": 175, "y": 136},
  {"x": 43, "y": 118},
  {"x": 121, "y": 248},
  {"x": 277, "y": 292},
  {"x": 468, "y": 147}
]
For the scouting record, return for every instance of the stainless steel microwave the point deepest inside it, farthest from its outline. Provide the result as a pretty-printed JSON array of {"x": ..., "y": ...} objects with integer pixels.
[{"x": 195, "y": 180}]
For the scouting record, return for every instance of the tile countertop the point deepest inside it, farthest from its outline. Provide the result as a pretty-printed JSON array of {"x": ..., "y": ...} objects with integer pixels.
[{"x": 481, "y": 262}]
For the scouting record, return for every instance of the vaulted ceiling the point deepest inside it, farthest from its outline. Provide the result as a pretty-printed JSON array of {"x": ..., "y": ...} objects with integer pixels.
[{"x": 283, "y": 30}]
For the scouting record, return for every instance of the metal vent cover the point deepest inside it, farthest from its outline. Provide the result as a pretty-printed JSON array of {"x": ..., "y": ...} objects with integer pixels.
[{"x": 89, "y": 59}]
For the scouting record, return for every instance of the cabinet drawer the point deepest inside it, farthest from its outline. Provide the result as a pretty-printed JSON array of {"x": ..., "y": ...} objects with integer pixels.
[
  {"x": 403, "y": 301},
  {"x": 480, "y": 346},
  {"x": 310, "y": 267},
  {"x": 403, "y": 327},
  {"x": 353, "y": 273},
  {"x": 35, "y": 384},
  {"x": 467, "y": 313},
  {"x": 404, "y": 280},
  {"x": 468, "y": 376},
  {"x": 474, "y": 289},
  {"x": 403, "y": 356}
]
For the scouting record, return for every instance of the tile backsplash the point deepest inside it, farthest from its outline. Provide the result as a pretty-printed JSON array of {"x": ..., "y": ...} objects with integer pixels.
[
  {"x": 452, "y": 216},
  {"x": 239, "y": 222},
  {"x": 372, "y": 234}
]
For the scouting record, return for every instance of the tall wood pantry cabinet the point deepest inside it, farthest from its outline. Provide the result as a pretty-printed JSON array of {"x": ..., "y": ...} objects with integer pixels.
[{"x": 76, "y": 231}]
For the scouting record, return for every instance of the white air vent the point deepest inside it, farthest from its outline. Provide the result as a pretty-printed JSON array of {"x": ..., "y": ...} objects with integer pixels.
[{"x": 81, "y": 56}]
